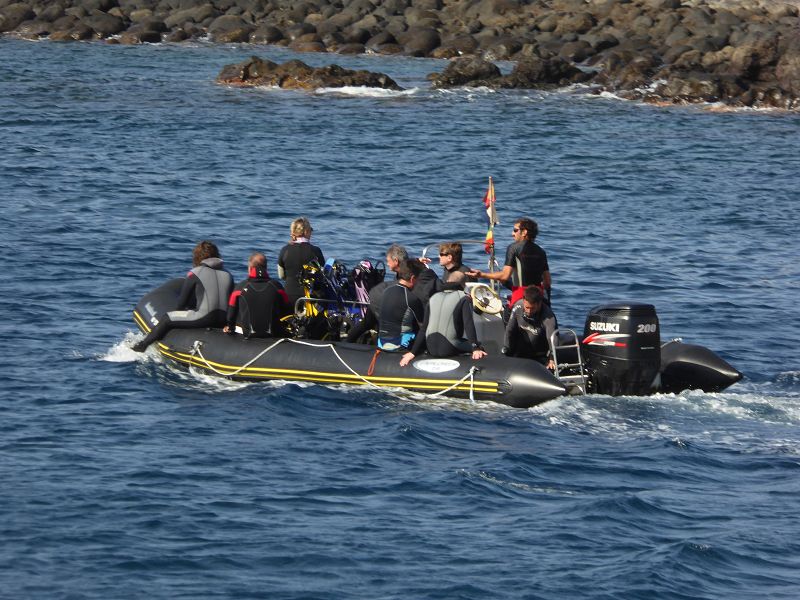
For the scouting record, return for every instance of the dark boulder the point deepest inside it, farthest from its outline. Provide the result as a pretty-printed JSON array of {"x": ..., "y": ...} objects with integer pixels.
[
  {"x": 533, "y": 72},
  {"x": 351, "y": 49},
  {"x": 301, "y": 45},
  {"x": 382, "y": 38},
  {"x": 420, "y": 41},
  {"x": 15, "y": 14},
  {"x": 144, "y": 36},
  {"x": 104, "y": 25},
  {"x": 266, "y": 34},
  {"x": 230, "y": 29},
  {"x": 467, "y": 71},
  {"x": 295, "y": 74}
]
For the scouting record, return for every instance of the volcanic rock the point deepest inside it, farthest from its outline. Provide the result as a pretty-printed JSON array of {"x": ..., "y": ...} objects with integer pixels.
[{"x": 295, "y": 74}]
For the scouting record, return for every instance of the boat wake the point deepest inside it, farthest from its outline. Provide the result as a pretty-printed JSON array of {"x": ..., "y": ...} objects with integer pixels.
[{"x": 121, "y": 351}]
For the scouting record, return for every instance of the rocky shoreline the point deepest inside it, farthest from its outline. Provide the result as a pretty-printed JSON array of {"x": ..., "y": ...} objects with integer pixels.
[{"x": 741, "y": 53}]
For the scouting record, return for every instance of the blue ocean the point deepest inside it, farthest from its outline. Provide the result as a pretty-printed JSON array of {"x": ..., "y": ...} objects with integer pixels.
[{"x": 125, "y": 478}]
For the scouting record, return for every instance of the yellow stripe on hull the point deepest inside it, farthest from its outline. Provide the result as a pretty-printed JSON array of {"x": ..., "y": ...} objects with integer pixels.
[{"x": 489, "y": 387}]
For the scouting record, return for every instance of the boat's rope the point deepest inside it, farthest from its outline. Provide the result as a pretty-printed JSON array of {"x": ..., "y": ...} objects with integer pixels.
[
  {"x": 197, "y": 351},
  {"x": 471, "y": 376}
]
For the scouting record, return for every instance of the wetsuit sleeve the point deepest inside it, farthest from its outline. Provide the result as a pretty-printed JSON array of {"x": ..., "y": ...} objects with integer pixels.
[
  {"x": 469, "y": 324},
  {"x": 417, "y": 307},
  {"x": 511, "y": 332},
  {"x": 188, "y": 292},
  {"x": 318, "y": 253},
  {"x": 233, "y": 308},
  {"x": 550, "y": 325},
  {"x": 281, "y": 264},
  {"x": 510, "y": 257},
  {"x": 419, "y": 341}
]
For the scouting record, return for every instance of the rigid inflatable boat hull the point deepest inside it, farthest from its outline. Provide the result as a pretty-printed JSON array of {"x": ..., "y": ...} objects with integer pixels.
[{"x": 512, "y": 381}]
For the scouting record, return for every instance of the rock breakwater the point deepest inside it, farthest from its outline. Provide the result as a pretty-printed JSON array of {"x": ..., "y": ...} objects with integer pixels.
[{"x": 743, "y": 53}]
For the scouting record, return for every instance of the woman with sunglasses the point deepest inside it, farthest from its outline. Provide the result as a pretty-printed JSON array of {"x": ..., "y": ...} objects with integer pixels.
[{"x": 450, "y": 256}]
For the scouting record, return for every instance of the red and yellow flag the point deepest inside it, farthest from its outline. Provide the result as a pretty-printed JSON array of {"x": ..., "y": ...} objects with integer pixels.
[{"x": 491, "y": 217}]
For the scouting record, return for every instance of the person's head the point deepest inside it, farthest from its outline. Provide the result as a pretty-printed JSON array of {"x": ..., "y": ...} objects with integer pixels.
[
  {"x": 395, "y": 255},
  {"x": 525, "y": 229},
  {"x": 409, "y": 270},
  {"x": 532, "y": 300},
  {"x": 301, "y": 228},
  {"x": 257, "y": 265},
  {"x": 456, "y": 281},
  {"x": 204, "y": 250},
  {"x": 450, "y": 255}
]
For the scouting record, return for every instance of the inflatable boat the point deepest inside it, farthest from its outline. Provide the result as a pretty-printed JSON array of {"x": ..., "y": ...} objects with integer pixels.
[{"x": 619, "y": 354}]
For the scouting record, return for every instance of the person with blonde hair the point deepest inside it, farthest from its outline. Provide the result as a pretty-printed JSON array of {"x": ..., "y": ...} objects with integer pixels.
[{"x": 298, "y": 252}]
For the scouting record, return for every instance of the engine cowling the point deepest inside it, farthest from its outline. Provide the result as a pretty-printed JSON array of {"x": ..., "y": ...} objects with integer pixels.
[{"x": 622, "y": 349}]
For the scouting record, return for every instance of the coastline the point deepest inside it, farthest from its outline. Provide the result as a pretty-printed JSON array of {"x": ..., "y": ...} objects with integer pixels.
[{"x": 738, "y": 53}]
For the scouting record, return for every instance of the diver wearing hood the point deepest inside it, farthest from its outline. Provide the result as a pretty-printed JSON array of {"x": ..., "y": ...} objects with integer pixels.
[{"x": 257, "y": 304}]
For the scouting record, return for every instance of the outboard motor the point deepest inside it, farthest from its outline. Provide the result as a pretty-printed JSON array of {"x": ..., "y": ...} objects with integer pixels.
[{"x": 622, "y": 349}]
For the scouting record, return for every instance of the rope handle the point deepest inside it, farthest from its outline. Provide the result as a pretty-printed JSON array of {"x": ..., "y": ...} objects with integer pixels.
[{"x": 197, "y": 351}]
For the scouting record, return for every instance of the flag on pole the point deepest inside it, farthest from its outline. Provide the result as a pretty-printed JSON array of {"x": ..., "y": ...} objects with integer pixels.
[{"x": 491, "y": 217}]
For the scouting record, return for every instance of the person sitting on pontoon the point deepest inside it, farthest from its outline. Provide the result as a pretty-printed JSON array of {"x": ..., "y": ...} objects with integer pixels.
[
  {"x": 401, "y": 311},
  {"x": 530, "y": 328},
  {"x": 203, "y": 300},
  {"x": 448, "y": 328},
  {"x": 258, "y": 303}
]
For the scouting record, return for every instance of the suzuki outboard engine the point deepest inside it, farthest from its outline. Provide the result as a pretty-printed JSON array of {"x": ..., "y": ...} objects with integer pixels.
[{"x": 622, "y": 349}]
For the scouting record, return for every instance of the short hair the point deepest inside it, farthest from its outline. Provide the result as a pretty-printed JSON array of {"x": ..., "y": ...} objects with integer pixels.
[
  {"x": 257, "y": 259},
  {"x": 457, "y": 280},
  {"x": 528, "y": 225},
  {"x": 204, "y": 250},
  {"x": 397, "y": 252},
  {"x": 454, "y": 249},
  {"x": 409, "y": 268},
  {"x": 532, "y": 294},
  {"x": 300, "y": 227}
]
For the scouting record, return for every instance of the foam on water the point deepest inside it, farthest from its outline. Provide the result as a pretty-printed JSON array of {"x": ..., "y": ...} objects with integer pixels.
[
  {"x": 366, "y": 92},
  {"x": 122, "y": 352}
]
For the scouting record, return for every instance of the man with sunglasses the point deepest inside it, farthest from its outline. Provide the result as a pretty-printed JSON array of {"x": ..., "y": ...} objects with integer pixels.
[
  {"x": 526, "y": 263},
  {"x": 529, "y": 329}
]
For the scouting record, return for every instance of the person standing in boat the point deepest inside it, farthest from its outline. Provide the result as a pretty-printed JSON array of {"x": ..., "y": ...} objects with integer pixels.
[
  {"x": 203, "y": 299},
  {"x": 448, "y": 328},
  {"x": 298, "y": 252},
  {"x": 450, "y": 256},
  {"x": 530, "y": 328},
  {"x": 526, "y": 263},
  {"x": 401, "y": 311},
  {"x": 257, "y": 304}
]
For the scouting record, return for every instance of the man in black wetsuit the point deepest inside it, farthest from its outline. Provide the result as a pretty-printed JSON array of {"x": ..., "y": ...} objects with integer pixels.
[
  {"x": 448, "y": 328},
  {"x": 203, "y": 298},
  {"x": 257, "y": 303},
  {"x": 525, "y": 264},
  {"x": 529, "y": 329},
  {"x": 401, "y": 310}
]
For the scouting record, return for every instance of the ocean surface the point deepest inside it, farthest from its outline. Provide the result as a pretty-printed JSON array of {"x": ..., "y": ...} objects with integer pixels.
[{"x": 124, "y": 478}]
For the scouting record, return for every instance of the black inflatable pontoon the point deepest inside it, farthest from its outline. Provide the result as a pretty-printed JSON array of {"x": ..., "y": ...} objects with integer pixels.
[
  {"x": 513, "y": 381},
  {"x": 620, "y": 354}
]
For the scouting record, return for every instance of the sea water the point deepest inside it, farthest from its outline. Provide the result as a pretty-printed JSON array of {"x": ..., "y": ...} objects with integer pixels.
[{"x": 125, "y": 478}]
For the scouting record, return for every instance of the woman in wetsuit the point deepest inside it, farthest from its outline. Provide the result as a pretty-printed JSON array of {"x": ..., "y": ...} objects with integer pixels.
[{"x": 298, "y": 252}]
